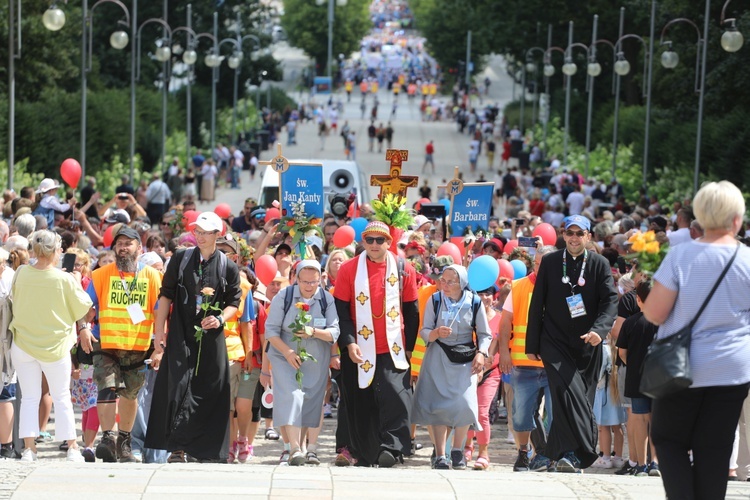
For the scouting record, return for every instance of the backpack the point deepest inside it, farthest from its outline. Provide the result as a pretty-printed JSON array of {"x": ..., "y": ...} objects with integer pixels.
[
  {"x": 476, "y": 303},
  {"x": 186, "y": 258},
  {"x": 288, "y": 300},
  {"x": 6, "y": 336}
]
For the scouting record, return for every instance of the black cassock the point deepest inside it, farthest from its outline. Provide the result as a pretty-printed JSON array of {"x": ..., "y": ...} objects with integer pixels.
[
  {"x": 572, "y": 366},
  {"x": 190, "y": 411}
]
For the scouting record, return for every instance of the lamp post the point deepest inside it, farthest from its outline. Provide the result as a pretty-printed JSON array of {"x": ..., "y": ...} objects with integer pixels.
[
  {"x": 570, "y": 69},
  {"x": 549, "y": 71},
  {"x": 118, "y": 40},
  {"x": 529, "y": 67},
  {"x": 340, "y": 3},
  {"x": 731, "y": 40},
  {"x": 670, "y": 59}
]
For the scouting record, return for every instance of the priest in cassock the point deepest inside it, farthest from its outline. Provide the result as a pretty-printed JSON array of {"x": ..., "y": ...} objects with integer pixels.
[{"x": 572, "y": 310}]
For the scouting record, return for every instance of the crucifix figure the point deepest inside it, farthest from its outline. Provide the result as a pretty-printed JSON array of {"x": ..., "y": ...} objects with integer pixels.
[{"x": 394, "y": 182}]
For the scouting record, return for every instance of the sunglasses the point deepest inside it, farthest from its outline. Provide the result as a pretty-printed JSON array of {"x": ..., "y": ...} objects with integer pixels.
[
  {"x": 371, "y": 239},
  {"x": 580, "y": 234}
]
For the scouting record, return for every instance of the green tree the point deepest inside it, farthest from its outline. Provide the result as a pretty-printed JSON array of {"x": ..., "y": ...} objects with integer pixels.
[{"x": 306, "y": 25}]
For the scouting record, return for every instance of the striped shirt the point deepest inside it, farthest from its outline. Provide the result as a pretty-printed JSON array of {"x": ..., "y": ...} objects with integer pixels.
[{"x": 720, "y": 348}]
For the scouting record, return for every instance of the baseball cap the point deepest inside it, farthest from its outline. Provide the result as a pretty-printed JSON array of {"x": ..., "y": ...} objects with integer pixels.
[
  {"x": 127, "y": 232},
  {"x": 281, "y": 247},
  {"x": 439, "y": 264},
  {"x": 377, "y": 227},
  {"x": 420, "y": 220},
  {"x": 229, "y": 241},
  {"x": 495, "y": 244},
  {"x": 258, "y": 213},
  {"x": 209, "y": 221},
  {"x": 659, "y": 221},
  {"x": 118, "y": 216},
  {"x": 577, "y": 220}
]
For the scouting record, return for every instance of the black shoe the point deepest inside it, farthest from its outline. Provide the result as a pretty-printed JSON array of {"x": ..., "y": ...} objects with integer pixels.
[
  {"x": 540, "y": 463},
  {"x": 88, "y": 455},
  {"x": 569, "y": 463},
  {"x": 386, "y": 459},
  {"x": 457, "y": 460},
  {"x": 522, "y": 462},
  {"x": 106, "y": 450},
  {"x": 442, "y": 463},
  {"x": 9, "y": 454},
  {"x": 627, "y": 469},
  {"x": 124, "y": 450},
  {"x": 180, "y": 457}
]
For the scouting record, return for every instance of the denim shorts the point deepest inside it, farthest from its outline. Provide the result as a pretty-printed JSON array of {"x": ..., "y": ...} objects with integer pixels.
[
  {"x": 527, "y": 382},
  {"x": 640, "y": 406},
  {"x": 8, "y": 393}
]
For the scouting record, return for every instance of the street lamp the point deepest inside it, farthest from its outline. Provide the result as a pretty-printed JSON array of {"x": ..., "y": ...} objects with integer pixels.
[
  {"x": 731, "y": 40},
  {"x": 569, "y": 69},
  {"x": 53, "y": 18},
  {"x": 340, "y": 3},
  {"x": 530, "y": 67},
  {"x": 549, "y": 71},
  {"x": 670, "y": 59},
  {"x": 118, "y": 40}
]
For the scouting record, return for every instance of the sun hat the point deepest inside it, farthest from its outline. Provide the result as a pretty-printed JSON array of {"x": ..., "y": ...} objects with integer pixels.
[
  {"x": 377, "y": 227},
  {"x": 47, "y": 185}
]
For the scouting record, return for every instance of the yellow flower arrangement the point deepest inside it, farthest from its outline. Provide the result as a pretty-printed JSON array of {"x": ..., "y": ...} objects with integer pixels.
[{"x": 649, "y": 252}]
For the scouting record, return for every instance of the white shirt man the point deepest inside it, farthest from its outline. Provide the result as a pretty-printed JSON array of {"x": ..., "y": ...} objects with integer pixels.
[{"x": 575, "y": 202}]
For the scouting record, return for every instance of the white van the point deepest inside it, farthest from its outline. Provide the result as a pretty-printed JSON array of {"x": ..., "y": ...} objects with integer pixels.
[{"x": 339, "y": 177}]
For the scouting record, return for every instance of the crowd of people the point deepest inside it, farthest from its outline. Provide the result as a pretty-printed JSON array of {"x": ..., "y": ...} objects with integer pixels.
[{"x": 394, "y": 325}]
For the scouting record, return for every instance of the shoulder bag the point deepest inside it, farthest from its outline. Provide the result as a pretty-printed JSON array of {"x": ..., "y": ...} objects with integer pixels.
[{"x": 666, "y": 368}]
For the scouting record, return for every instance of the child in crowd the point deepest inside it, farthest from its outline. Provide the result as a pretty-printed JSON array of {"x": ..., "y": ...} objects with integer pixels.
[{"x": 609, "y": 412}]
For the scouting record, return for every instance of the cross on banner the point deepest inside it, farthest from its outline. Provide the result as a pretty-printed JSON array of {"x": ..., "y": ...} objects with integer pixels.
[
  {"x": 394, "y": 182},
  {"x": 279, "y": 163}
]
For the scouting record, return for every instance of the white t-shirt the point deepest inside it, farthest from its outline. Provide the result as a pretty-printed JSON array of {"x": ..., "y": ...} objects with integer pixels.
[
  {"x": 238, "y": 157},
  {"x": 508, "y": 304},
  {"x": 575, "y": 202},
  {"x": 682, "y": 235},
  {"x": 555, "y": 164}
]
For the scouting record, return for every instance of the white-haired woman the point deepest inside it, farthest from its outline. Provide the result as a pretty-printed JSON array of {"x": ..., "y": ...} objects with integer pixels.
[
  {"x": 703, "y": 418},
  {"x": 43, "y": 337}
]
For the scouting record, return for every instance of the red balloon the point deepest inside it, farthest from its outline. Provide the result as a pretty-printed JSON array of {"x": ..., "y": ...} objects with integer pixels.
[
  {"x": 70, "y": 171},
  {"x": 547, "y": 232},
  {"x": 108, "y": 236},
  {"x": 448, "y": 248},
  {"x": 266, "y": 269},
  {"x": 272, "y": 214},
  {"x": 421, "y": 202},
  {"x": 223, "y": 210},
  {"x": 506, "y": 269},
  {"x": 188, "y": 218},
  {"x": 510, "y": 246},
  {"x": 343, "y": 236}
]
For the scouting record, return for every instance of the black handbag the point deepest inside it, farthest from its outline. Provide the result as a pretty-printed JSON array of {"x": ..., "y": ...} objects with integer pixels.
[
  {"x": 666, "y": 368},
  {"x": 460, "y": 353}
]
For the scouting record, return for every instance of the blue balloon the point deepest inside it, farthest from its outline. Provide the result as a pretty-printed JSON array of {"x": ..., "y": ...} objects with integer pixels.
[
  {"x": 519, "y": 269},
  {"x": 359, "y": 224},
  {"x": 447, "y": 204},
  {"x": 483, "y": 272}
]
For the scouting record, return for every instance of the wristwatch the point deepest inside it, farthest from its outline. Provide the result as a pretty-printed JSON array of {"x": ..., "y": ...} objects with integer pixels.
[
  {"x": 486, "y": 355},
  {"x": 221, "y": 319}
]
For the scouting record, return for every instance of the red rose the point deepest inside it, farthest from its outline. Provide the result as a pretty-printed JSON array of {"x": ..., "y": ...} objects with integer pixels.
[
  {"x": 306, "y": 307},
  {"x": 290, "y": 223}
]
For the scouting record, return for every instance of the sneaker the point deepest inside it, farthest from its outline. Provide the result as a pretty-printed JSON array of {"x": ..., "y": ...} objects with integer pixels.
[
  {"x": 626, "y": 470},
  {"x": 180, "y": 457},
  {"x": 137, "y": 455},
  {"x": 522, "y": 462},
  {"x": 124, "y": 449},
  {"x": 28, "y": 456},
  {"x": 568, "y": 463},
  {"x": 106, "y": 450},
  {"x": 88, "y": 455},
  {"x": 618, "y": 462},
  {"x": 9, "y": 454},
  {"x": 653, "y": 470},
  {"x": 311, "y": 458},
  {"x": 284, "y": 459},
  {"x": 386, "y": 459},
  {"x": 344, "y": 458},
  {"x": 510, "y": 439},
  {"x": 232, "y": 457},
  {"x": 641, "y": 471},
  {"x": 457, "y": 460},
  {"x": 244, "y": 451},
  {"x": 415, "y": 447},
  {"x": 327, "y": 411},
  {"x": 74, "y": 455},
  {"x": 603, "y": 463},
  {"x": 539, "y": 463},
  {"x": 297, "y": 459},
  {"x": 442, "y": 463},
  {"x": 433, "y": 458}
]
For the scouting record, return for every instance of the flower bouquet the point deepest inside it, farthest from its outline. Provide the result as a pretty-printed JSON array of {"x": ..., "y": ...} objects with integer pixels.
[
  {"x": 206, "y": 305},
  {"x": 391, "y": 210},
  {"x": 299, "y": 324},
  {"x": 649, "y": 252},
  {"x": 298, "y": 225}
]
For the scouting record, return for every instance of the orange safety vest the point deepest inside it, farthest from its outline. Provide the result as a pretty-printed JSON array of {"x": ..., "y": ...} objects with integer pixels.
[
  {"x": 425, "y": 89},
  {"x": 433, "y": 88},
  {"x": 411, "y": 89},
  {"x": 374, "y": 87},
  {"x": 401, "y": 79},
  {"x": 116, "y": 329},
  {"x": 423, "y": 298},
  {"x": 348, "y": 85},
  {"x": 521, "y": 290},
  {"x": 396, "y": 87},
  {"x": 235, "y": 349},
  {"x": 363, "y": 87}
]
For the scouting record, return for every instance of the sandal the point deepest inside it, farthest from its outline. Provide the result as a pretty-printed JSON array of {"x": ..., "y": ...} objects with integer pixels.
[
  {"x": 312, "y": 458},
  {"x": 482, "y": 463},
  {"x": 272, "y": 434}
]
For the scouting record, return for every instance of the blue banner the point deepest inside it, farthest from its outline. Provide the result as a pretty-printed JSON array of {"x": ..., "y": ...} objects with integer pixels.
[
  {"x": 303, "y": 183},
  {"x": 322, "y": 85},
  {"x": 471, "y": 208}
]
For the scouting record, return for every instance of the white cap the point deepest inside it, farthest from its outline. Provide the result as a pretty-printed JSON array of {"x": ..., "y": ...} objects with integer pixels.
[
  {"x": 420, "y": 220},
  {"x": 209, "y": 221},
  {"x": 47, "y": 185},
  {"x": 149, "y": 259}
]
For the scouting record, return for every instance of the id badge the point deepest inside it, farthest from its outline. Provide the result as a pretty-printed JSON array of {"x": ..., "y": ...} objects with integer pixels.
[
  {"x": 198, "y": 302},
  {"x": 575, "y": 305},
  {"x": 319, "y": 323},
  {"x": 136, "y": 313}
]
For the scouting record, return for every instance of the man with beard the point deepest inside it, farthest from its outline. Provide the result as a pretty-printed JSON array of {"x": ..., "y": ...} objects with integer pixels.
[
  {"x": 124, "y": 295},
  {"x": 189, "y": 413}
]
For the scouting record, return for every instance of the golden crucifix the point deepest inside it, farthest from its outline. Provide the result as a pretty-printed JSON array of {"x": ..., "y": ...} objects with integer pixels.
[{"x": 394, "y": 183}]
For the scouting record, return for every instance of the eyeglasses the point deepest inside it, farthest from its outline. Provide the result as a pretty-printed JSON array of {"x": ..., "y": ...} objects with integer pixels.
[
  {"x": 78, "y": 265},
  {"x": 371, "y": 239},
  {"x": 580, "y": 234},
  {"x": 448, "y": 282},
  {"x": 202, "y": 234},
  {"x": 308, "y": 283}
]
